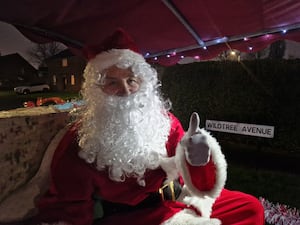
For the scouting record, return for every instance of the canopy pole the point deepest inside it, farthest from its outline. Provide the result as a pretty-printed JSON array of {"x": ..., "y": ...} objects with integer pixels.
[
  {"x": 50, "y": 35},
  {"x": 184, "y": 21}
]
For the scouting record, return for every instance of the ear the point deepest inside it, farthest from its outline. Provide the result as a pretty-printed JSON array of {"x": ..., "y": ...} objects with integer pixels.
[{"x": 194, "y": 123}]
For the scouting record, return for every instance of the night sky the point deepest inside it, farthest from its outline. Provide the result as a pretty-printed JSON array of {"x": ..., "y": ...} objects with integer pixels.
[{"x": 12, "y": 41}]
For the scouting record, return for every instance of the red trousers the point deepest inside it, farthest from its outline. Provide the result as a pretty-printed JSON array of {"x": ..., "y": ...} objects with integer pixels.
[
  {"x": 232, "y": 208},
  {"x": 237, "y": 208}
]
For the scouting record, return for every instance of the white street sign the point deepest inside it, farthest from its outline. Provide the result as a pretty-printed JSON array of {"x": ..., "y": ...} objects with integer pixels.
[{"x": 241, "y": 128}]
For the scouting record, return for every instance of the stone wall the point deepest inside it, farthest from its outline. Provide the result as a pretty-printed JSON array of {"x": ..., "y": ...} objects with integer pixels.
[{"x": 24, "y": 137}]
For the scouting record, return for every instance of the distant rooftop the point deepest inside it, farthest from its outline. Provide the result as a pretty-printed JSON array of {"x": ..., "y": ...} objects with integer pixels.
[
  {"x": 63, "y": 54},
  {"x": 8, "y": 60}
]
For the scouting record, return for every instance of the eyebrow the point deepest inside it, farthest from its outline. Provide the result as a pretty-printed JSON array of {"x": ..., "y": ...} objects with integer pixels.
[
  {"x": 106, "y": 76},
  {"x": 110, "y": 78}
]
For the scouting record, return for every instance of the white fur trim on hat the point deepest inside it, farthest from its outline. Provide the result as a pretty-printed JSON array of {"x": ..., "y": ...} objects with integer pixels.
[{"x": 122, "y": 58}]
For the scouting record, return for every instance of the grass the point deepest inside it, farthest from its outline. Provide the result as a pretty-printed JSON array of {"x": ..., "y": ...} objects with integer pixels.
[
  {"x": 263, "y": 173},
  {"x": 274, "y": 186}
]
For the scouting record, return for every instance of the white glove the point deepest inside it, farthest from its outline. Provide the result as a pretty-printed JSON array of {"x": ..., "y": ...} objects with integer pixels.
[{"x": 197, "y": 151}]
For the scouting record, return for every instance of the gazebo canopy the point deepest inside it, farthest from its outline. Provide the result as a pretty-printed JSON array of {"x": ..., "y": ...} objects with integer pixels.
[{"x": 164, "y": 30}]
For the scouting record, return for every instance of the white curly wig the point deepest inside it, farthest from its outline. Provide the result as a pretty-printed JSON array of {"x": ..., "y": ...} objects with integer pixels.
[{"x": 125, "y": 134}]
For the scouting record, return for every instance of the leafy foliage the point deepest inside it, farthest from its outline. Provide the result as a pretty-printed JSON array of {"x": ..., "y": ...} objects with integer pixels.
[{"x": 264, "y": 92}]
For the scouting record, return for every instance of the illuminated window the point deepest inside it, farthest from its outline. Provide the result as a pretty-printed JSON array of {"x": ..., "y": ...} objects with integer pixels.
[
  {"x": 64, "y": 62},
  {"x": 72, "y": 79},
  {"x": 54, "y": 79}
]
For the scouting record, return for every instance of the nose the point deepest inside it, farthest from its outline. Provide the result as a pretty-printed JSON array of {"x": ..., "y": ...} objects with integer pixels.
[{"x": 124, "y": 89}]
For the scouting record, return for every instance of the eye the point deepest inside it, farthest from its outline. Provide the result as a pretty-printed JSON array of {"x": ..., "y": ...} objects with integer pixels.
[
  {"x": 107, "y": 82},
  {"x": 133, "y": 81},
  {"x": 110, "y": 83}
]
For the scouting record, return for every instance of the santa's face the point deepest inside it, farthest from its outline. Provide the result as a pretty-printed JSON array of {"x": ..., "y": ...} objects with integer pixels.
[
  {"x": 119, "y": 82},
  {"x": 125, "y": 125}
]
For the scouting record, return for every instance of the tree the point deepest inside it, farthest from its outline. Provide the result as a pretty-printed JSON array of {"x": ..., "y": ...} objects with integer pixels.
[{"x": 40, "y": 52}]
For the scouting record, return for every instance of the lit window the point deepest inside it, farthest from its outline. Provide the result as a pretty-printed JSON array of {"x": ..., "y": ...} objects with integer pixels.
[
  {"x": 65, "y": 81},
  {"x": 54, "y": 79},
  {"x": 64, "y": 62},
  {"x": 72, "y": 79}
]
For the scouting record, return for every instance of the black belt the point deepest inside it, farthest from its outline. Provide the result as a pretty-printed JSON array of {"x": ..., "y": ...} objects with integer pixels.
[{"x": 169, "y": 191}]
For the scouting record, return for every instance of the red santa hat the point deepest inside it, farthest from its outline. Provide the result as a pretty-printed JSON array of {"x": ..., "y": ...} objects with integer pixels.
[
  {"x": 120, "y": 39},
  {"x": 119, "y": 48}
]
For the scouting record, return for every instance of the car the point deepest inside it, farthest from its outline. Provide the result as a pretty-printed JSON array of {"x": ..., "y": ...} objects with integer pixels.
[{"x": 36, "y": 87}]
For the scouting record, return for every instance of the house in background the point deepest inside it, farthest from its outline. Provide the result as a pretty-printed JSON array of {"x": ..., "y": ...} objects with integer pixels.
[
  {"x": 65, "y": 71},
  {"x": 16, "y": 71}
]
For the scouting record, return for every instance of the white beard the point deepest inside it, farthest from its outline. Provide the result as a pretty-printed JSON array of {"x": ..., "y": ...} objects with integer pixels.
[{"x": 127, "y": 135}]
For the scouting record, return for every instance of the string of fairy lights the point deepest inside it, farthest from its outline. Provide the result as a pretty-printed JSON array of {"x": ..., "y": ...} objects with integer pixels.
[
  {"x": 265, "y": 35},
  {"x": 205, "y": 45}
]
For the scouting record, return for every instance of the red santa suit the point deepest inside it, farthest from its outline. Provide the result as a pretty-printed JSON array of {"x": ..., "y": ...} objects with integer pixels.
[{"x": 77, "y": 187}]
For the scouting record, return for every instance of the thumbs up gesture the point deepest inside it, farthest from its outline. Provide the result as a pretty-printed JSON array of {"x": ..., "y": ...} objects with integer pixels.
[{"x": 194, "y": 142}]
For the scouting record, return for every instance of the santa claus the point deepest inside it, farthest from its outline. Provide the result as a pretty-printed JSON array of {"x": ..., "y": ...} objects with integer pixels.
[{"x": 128, "y": 160}]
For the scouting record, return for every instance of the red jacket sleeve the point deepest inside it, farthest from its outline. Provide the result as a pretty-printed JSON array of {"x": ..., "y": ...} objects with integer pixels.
[
  {"x": 176, "y": 133},
  {"x": 68, "y": 198}
]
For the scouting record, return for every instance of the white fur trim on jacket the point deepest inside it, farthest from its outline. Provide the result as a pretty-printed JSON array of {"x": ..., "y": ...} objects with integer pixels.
[{"x": 188, "y": 217}]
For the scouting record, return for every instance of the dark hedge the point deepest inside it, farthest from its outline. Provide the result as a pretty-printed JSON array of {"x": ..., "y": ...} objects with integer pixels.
[{"x": 265, "y": 92}]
